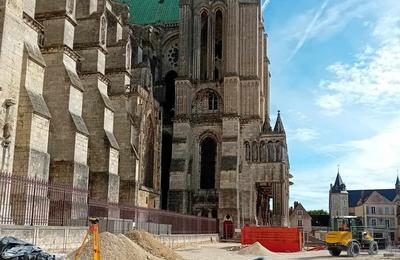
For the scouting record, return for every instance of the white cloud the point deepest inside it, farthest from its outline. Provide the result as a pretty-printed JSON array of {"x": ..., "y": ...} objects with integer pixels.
[
  {"x": 332, "y": 104},
  {"x": 368, "y": 163},
  {"x": 309, "y": 30},
  {"x": 265, "y": 4},
  {"x": 373, "y": 79},
  {"x": 303, "y": 135}
]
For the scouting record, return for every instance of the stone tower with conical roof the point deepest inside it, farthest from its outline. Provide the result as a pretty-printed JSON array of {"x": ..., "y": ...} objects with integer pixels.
[{"x": 338, "y": 198}]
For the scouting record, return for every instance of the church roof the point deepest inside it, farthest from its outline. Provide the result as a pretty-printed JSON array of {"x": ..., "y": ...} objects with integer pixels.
[
  {"x": 356, "y": 196},
  {"x": 279, "y": 129},
  {"x": 153, "y": 11},
  {"x": 339, "y": 185}
]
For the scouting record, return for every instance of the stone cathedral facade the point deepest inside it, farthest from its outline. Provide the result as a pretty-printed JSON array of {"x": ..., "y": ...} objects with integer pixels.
[
  {"x": 77, "y": 104},
  {"x": 221, "y": 158},
  {"x": 156, "y": 103},
  {"x": 224, "y": 162}
]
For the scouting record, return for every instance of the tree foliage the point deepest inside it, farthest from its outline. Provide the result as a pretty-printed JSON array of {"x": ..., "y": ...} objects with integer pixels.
[{"x": 318, "y": 212}]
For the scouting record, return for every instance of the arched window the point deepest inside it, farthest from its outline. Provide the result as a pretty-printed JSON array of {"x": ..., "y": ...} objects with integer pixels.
[
  {"x": 149, "y": 157},
  {"x": 206, "y": 101},
  {"x": 263, "y": 152},
  {"x": 203, "y": 45},
  {"x": 212, "y": 102},
  {"x": 278, "y": 151},
  {"x": 103, "y": 30},
  {"x": 169, "y": 103},
  {"x": 208, "y": 150},
  {"x": 247, "y": 151},
  {"x": 254, "y": 151},
  {"x": 271, "y": 152},
  {"x": 218, "y": 45}
]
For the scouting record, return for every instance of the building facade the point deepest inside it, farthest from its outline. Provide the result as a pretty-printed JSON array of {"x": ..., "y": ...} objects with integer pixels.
[
  {"x": 77, "y": 104},
  {"x": 378, "y": 208},
  {"x": 299, "y": 218},
  {"x": 221, "y": 157},
  {"x": 148, "y": 103}
]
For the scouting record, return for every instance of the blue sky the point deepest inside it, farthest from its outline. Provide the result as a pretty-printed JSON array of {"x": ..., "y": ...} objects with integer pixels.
[{"x": 335, "y": 68}]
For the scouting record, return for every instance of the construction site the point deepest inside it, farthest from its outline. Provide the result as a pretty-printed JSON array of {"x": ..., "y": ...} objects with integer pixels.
[{"x": 136, "y": 130}]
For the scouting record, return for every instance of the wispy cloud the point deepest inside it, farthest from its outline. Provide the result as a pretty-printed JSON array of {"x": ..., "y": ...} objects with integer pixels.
[
  {"x": 265, "y": 4},
  {"x": 364, "y": 142},
  {"x": 373, "y": 79},
  {"x": 364, "y": 164},
  {"x": 328, "y": 19},
  {"x": 303, "y": 135},
  {"x": 332, "y": 104},
  {"x": 308, "y": 30}
]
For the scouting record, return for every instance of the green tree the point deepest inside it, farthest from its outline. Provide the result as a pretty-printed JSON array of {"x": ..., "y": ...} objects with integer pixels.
[{"x": 318, "y": 212}]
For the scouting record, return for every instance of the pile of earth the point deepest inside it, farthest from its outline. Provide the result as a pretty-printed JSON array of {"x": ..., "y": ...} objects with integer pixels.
[
  {"x": 152, "y": 245},
  {"x": 114, "y": 247},
  {"x": 255, "y": 249}
]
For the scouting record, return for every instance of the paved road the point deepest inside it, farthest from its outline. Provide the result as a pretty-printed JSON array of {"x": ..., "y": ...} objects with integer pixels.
[{"x": 222, "y": 251}]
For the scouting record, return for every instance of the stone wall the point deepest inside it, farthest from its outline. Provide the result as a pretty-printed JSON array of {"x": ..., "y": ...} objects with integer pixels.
[
  {"x": 177, "y": 241},
  {"x": 51, "y": 239},
  {"x": 66, "y": 239}
]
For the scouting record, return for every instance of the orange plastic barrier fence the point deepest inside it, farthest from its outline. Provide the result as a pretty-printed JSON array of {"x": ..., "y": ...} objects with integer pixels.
[{"x": 274, "y": 239}]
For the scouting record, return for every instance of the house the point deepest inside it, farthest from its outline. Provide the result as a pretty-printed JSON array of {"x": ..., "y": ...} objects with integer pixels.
[
  {"x": 379, "y": 209},
  {"x": 378, "y": 214},
  {"x": 299, "y": 218}
]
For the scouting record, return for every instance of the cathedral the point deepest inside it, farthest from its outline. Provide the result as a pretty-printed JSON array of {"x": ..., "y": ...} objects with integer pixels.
[{"x": 156, "y": 103}]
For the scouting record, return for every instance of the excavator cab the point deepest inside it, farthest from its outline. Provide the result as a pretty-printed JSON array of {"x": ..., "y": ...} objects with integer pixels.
[{"x": 348, "y": 234}]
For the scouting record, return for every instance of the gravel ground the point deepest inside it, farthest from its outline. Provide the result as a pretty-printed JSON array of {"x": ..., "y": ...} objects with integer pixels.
[{"x": 222, "y": 251}]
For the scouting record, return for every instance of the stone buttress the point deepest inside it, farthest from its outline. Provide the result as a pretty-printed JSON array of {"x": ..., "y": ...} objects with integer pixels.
[
  {"x": 91, "y": 43},
  {"x": 63, "y": 92}
]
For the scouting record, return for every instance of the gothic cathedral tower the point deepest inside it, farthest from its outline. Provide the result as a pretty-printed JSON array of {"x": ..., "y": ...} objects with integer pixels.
[{"x": 222, "y": 101}]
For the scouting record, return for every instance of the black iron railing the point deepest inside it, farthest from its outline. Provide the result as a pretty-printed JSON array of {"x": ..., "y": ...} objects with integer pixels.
[{"x": 31, "y": 201}]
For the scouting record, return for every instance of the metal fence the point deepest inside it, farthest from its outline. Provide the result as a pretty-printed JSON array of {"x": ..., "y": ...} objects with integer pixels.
[{"x": 30, "y": 201}]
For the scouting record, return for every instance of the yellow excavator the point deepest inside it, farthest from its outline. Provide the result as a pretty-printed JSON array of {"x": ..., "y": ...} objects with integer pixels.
[{"x": 348, "y": 234}]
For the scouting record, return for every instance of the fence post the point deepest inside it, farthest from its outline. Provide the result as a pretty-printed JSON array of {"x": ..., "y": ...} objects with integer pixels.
[
  {"x": 33, "y": 200},
  {"x": 88, "y": 208},
  {"x": 63, "y": 210}
]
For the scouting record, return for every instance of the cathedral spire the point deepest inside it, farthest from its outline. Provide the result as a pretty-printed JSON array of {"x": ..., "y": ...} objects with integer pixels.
[
  {"x": 339, "y": 185},
  {"x": 279, "y": 129},
  {"x": 397, "y": 186},
  {"x": 266, "y": 127}
]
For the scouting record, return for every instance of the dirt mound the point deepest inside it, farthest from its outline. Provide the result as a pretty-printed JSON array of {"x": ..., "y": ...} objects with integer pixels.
[
  {"x": 152, "y": 245},
  {"x": 255, "y": 249},
  {"x": 115, "y": 247}
]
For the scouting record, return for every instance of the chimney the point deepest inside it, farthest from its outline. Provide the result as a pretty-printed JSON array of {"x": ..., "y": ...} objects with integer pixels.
[{"x": 295, "y": 204}]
